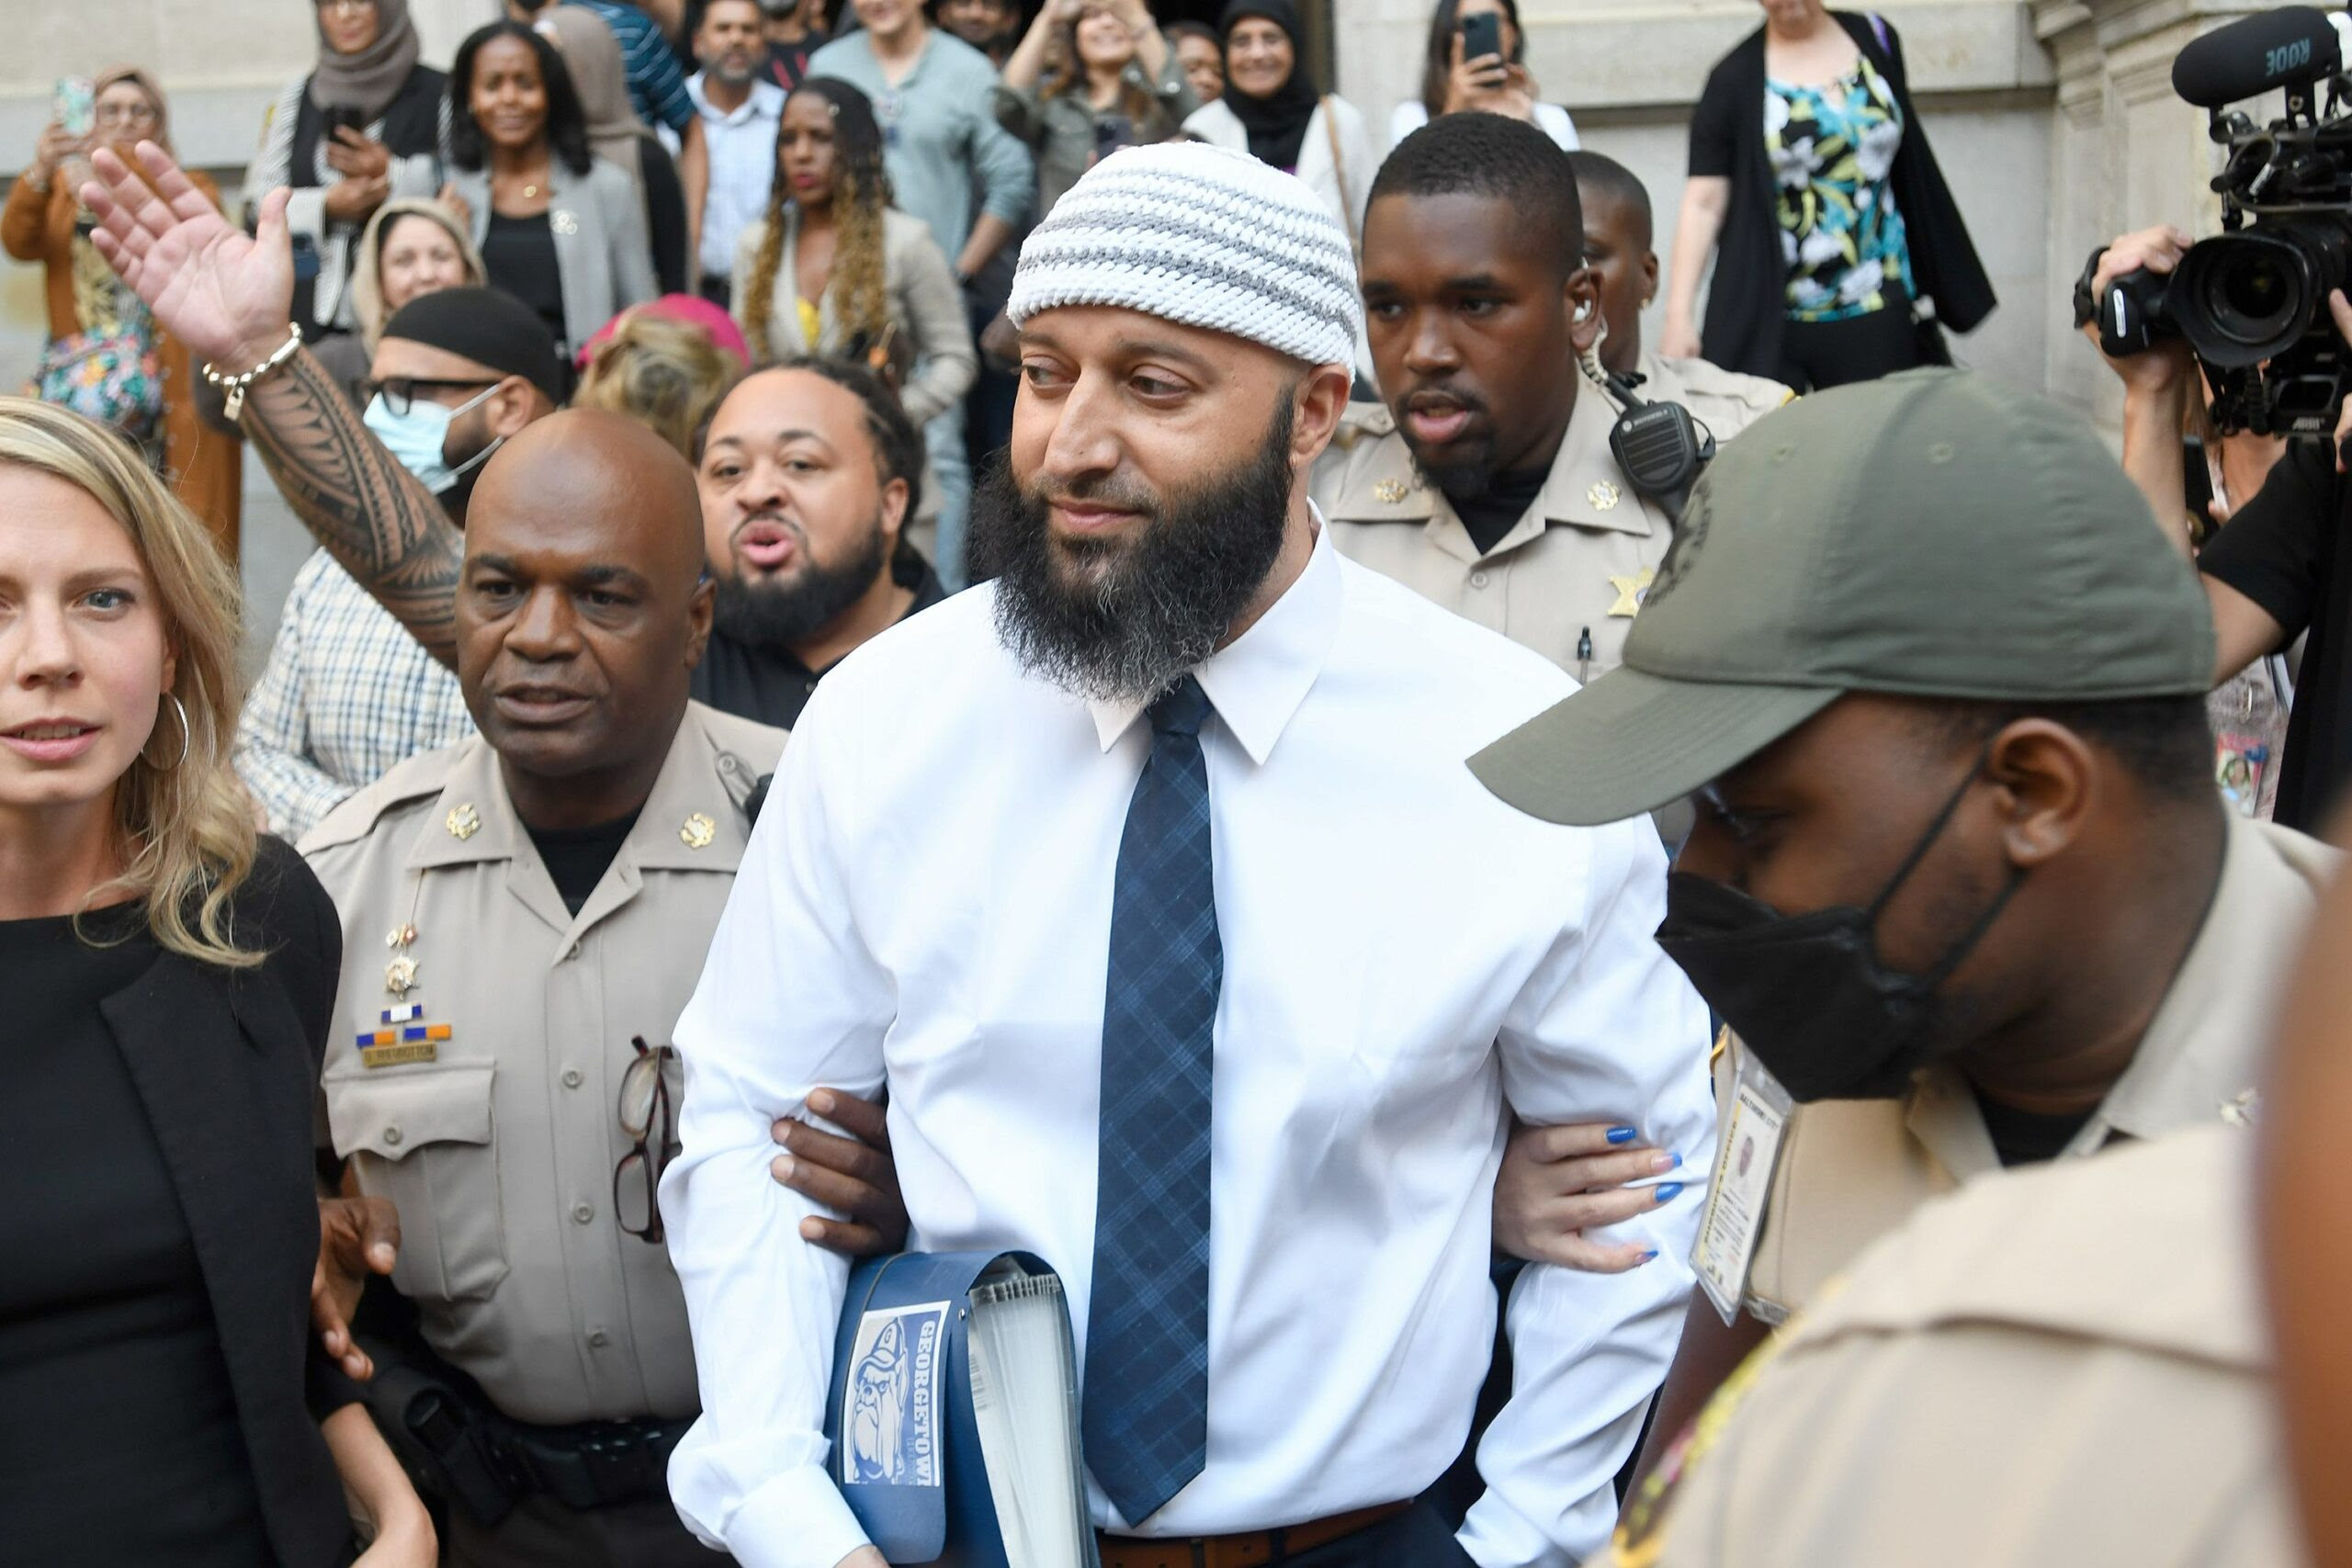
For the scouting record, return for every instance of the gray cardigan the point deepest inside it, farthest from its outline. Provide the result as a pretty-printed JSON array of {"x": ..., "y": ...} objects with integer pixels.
[
  {"x": 925, "y": 304},
  {"x": 602, "y": 253}
]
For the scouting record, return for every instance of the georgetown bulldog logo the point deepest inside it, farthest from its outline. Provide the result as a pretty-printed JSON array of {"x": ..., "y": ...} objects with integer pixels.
[{"x": 890, "y": 1433}]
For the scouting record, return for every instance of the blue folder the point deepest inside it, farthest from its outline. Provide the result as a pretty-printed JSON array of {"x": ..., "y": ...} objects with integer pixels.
[{"x": 906, "y": 1443}]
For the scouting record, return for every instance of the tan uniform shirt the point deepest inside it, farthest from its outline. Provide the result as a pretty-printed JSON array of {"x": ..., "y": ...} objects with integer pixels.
[
  {"x": 2066, "y": 1364},
  {"x": 1580, "y": 560},
  {"x": 1851, "y": 1170},
  {"x": 498, "y": 1143}
]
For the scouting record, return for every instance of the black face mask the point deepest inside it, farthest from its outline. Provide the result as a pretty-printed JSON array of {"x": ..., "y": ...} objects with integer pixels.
[{"x": 1807, "y": 992}]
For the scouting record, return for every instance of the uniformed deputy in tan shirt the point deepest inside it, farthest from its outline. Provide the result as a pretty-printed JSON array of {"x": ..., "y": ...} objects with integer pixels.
[
  {"x": 2063, "y": 1365},
  {"x": 1569, "y": 578},
  {"x": 1961, "y": 879},
  {"x": 1487, "y": 274},
  {"x": 497, "y": 1135},
  {"x": 1851, "y": 1170},
  {"x": 525, "y": 915}
]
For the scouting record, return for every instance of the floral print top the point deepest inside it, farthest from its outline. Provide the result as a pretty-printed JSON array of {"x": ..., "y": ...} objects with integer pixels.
[{"x": 1832, "y": 150}]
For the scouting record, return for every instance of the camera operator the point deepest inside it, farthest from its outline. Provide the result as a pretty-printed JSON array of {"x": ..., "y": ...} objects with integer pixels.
[{"x": 2274, "y": 574}]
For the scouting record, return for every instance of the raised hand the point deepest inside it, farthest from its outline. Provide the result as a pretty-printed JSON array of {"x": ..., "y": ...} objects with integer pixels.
[{"x": 227, "y": 295}]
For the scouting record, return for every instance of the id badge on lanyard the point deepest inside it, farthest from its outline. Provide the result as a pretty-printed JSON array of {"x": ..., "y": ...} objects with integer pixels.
[{"x": 1746, "y": 1159}]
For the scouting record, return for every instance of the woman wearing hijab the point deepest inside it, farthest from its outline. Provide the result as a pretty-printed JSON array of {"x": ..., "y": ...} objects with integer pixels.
[
  {"x": 410, "y": 249},
  {"x": 593, "y": 55},
  {"x": 365, "y": 124},
  {"x": 107, "y": 357},
  {"x": 1271, "y": 108}
]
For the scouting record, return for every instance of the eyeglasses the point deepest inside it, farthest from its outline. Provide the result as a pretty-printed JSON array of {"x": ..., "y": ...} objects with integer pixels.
[
  {"x": 131, "y": 114},
  {"x": 399, "y": 392},
  {"x": 650, "y": 1119}
]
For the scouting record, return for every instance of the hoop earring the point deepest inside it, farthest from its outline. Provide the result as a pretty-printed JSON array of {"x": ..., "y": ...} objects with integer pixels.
[{"x": 186, "y": 735}]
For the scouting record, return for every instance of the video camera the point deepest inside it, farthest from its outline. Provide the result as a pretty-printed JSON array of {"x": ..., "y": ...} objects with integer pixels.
[{"x": 2252, "y": 300}]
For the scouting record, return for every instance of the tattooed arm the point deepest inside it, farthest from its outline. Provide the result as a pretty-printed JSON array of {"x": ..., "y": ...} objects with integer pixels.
[
  {"x": 370, "y": 514},
  {"x": 229, "y": 298}
]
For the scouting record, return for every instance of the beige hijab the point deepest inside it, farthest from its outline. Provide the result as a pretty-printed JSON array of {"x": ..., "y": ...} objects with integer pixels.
[
  {"x": 593, "y": 57},
  {"x": 367, "y": 277}
]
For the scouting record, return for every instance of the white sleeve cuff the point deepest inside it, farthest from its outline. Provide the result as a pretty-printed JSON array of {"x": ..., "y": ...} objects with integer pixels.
[{"x": 797, "y": 1521}]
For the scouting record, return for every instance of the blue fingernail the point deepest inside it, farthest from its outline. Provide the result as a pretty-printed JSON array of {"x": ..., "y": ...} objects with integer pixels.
[
  {"x": 1677, "y": 1160},
  {"x": 1621, "y": 1135},
  {"x": 1650, "y": 1255},
  {"x": 1668, "y": 1191}
]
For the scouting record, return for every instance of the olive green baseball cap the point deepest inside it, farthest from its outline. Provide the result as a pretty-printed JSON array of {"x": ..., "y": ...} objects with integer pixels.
[{"x": 1931, "y": 535}]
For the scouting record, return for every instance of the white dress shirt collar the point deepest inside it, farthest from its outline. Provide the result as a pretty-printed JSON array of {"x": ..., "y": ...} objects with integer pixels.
[{"x": 1257, "y": 681}]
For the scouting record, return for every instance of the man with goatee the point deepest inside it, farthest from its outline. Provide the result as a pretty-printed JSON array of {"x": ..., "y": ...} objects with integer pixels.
[{"x": 1150, "y": 882}]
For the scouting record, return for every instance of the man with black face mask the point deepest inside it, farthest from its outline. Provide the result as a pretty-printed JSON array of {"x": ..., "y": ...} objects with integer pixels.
[
  {"x": 347, "y": 692},
  {"x": 1962, "y": 887}
]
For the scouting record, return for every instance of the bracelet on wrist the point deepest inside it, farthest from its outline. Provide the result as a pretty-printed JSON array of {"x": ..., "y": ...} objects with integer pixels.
[{"x": 238, "y": 383}]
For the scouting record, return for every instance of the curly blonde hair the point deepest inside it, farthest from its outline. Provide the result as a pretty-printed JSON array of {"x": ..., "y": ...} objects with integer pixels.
[
  {"x": 859, "y": 284},
  {"x": 184, "y": 827},
  {"x": 665, "y": 374}
]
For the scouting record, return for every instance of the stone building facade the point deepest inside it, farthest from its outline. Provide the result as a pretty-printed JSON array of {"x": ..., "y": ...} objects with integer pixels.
[{"x": 2054, "y": 121}]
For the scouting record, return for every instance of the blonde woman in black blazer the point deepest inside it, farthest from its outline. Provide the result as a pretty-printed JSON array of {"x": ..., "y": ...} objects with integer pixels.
[{"x": 171, "y": 983}]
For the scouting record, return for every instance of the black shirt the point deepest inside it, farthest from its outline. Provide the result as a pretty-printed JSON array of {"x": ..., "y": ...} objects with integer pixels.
[
  {"x": 2280, "y": 551},
  {"x": 577, "y": 858},
  {"x": 768, "y": 685},
  {"x": 518, "y": 257},
  {"x": 2027, "y": 1137},
  {"x": 1490, "y": 516},
  {"x": 119, "y": 1433}
]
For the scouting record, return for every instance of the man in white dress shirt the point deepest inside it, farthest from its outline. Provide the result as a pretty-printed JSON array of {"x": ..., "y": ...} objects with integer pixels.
[
  {"x": 740, "y": 108},
  {"x": 985, "y": 882}
]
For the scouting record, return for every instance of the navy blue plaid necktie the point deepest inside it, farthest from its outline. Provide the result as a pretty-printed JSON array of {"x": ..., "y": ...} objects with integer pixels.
[{"x": 1147, "y": 1410}]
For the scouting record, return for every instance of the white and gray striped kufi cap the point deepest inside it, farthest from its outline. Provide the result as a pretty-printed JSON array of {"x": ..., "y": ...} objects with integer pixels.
[{"x": 1201, "y": 235}]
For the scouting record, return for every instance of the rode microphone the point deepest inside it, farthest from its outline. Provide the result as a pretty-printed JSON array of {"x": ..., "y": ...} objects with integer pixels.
[{"x": 2289, "y": 47}]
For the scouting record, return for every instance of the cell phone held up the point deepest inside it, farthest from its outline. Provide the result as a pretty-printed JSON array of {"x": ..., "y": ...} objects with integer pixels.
[
  {"x": 74, "y": 104},
  {"x": 1482, "y": 34}
]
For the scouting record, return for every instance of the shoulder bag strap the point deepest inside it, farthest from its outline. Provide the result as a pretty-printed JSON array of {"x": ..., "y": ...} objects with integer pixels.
[{"x": 1339, "y": 171}]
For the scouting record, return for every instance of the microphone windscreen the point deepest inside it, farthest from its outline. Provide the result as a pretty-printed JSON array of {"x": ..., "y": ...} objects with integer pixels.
[{"x": 2255, "y": 55}]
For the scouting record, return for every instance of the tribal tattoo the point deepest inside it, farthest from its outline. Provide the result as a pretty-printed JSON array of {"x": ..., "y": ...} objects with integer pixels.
[{"x": 371, "y": 515}]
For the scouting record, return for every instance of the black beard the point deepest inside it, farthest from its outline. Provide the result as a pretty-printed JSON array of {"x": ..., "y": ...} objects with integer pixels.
[
  {"x": 777, "y": 614},
  {"x": 1468, "y": 479},
  {"x": 1156, "y": 606}
]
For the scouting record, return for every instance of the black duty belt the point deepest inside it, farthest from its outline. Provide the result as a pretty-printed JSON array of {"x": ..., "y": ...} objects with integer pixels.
[{"x": 487, "y": 1462}]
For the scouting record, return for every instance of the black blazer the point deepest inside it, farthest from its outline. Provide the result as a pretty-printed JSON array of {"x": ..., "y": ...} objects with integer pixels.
[
  {"x": 1746, "y": 304},
  {"x": 227, "y": 1065}
]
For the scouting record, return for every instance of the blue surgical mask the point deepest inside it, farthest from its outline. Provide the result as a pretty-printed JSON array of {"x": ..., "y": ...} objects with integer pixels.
[{"x": 415, "y": 439}]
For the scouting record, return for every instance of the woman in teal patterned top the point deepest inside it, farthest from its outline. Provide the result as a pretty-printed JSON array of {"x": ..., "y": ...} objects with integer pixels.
[
  {"x": 1809, "y": 166},
  {"x": 1832, "y": 149}
]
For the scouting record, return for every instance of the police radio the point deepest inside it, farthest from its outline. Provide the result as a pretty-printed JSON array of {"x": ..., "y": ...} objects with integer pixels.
[{"x": 1662, "y": 447}]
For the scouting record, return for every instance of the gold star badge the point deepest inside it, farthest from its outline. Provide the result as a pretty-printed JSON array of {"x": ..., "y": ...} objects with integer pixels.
[
  {"x": 1390, "y": 490},
  {"x": 1604, "y": 497},
  {"x": 1630, "y": 591},
  {"x": 400, "y": 975},
  {"x": 697, "y": 831},
  {"x": 463, "y": 822}
]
